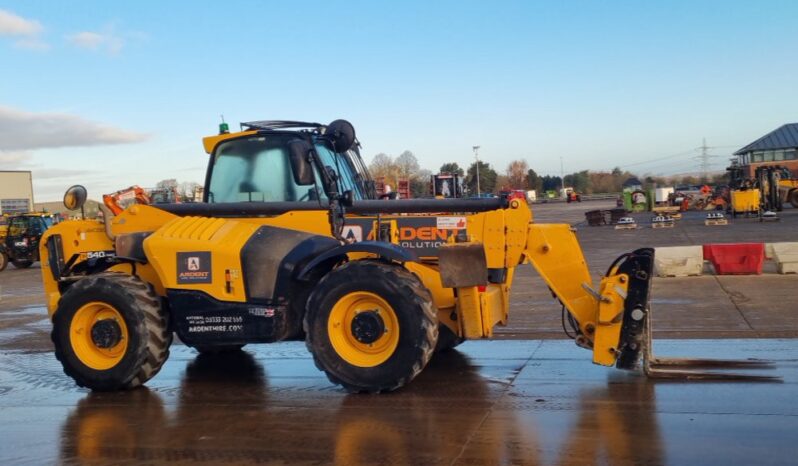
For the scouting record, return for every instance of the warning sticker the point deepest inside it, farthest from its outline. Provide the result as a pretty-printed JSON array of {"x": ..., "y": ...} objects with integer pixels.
[
  {"x": 352, "y": 233},
  {"x": 451, "y": 223},
  {"x": 193, "y": 267}
]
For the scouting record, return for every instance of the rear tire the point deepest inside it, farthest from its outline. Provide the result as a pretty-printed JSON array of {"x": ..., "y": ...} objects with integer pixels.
[
  {"x": 22, "y": 264},
  {"x": 371, "y": 326},
  {"x": 110, "y": 332}
]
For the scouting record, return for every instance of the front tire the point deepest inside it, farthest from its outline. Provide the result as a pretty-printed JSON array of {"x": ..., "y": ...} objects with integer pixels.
[
  {"x": 110, "y": 332},
  {"x": 3, "y": 260},
  {"x": 371, "y": 326}
]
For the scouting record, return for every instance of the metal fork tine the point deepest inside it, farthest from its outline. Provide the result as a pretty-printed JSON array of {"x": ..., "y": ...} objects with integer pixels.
[
  {"x": 719, "y": 363},
  {"x": 702, "y": 375},
  {"x": 667, "y": 368}
]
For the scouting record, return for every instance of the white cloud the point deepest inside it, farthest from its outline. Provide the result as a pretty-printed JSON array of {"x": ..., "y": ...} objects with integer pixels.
[
  {"x": 96, "y": 41},
  {"x": 13, "y": 25},
  {"x": 26, "y": 31},
  {"x": 35, "y": 44},
  {"x": 59, "y": 173},
  {"x": 23, "y": 131},
  {"x": 11, "y": 159},
  {"x": 86, "y": 40}
]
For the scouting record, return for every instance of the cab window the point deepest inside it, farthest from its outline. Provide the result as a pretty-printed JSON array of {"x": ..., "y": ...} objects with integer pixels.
[{"x": 256, "y": 169}]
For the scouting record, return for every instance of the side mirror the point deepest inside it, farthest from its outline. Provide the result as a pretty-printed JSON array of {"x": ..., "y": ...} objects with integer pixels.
[
  {"x": 75, "y": 197},
  {"x": 341, "y": 134},
  {"x": 298, "y": 151}
]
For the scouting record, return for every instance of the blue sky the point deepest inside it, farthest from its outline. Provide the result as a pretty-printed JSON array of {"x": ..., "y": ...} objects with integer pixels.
[{"x": 134, "y": 86}]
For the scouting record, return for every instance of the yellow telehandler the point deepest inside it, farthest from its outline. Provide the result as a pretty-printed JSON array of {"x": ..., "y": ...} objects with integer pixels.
[{"x": 291, "y": 243}]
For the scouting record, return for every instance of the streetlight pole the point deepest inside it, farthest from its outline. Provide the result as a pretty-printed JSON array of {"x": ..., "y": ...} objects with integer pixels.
[
  {"x": 562, "y": 180},
  {"x": 476, "y": 156}
]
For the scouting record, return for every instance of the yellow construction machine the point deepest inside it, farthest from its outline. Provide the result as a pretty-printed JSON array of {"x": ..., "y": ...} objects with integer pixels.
[
  {"x": 292, "y": 243},
  {"x": 788, "y": 191}
]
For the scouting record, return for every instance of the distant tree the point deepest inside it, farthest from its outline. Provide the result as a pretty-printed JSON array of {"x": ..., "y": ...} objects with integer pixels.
[
  {"x": 452, "y": 168},
  {"x": 551, "y": 183},
  {"x": 603, "y": 182},
  {"x": 688, "y": 180},
  {"x": 420, "y": 184},
  {"x": 487, "y": 178},
  {"x": 405, "y": 166},
  {"x": 502, "y": 183},
  {"x": 649, "y": 181},
  {"x": 516, "y": 174},
  {"x": 720, "y": 178},
  {"x": 169, "y": 184},
  {"x": 534, "y": 181},
  {"x": 580, "y": 181},
  {"x": 186, "y": 189},
  {"x": 408, "y": 164},
  {"x": 383, "y": 166}
]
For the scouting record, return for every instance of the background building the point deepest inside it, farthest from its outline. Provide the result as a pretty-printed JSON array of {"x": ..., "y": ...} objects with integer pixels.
[
  {"x": 779, "y": 147},
  {"x": 91, "y": 209},
  {"x": 16, "y": 192}
]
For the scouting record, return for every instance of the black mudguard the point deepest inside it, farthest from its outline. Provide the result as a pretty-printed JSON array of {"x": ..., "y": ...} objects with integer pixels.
[{"x": 384, "y": 250}]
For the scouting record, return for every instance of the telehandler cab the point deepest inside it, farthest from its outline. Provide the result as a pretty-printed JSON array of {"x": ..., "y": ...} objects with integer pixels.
[{"x": 290, "y": 243}]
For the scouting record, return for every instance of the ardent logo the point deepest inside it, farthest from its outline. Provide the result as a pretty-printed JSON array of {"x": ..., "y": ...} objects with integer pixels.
[
  {"x": 424, "y": 234},
  {"x": 193, "y": 263},
  {"x": 194, "y": 267},
  {"x": 352, "y": 233}
]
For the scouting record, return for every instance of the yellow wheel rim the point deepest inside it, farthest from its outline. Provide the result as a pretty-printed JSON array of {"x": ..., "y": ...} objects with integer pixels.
[
  {"x": 344, "y": 339},
  {"x": 84, "y": 345}
]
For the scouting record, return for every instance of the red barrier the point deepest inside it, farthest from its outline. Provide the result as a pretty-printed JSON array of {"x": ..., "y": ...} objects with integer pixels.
[
  {"x": 707, "y": 252},
  {"x": 736, "y": 259}
]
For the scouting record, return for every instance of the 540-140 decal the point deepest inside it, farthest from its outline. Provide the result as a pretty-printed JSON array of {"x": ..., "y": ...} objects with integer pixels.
[{"x": 100, "y": 254}]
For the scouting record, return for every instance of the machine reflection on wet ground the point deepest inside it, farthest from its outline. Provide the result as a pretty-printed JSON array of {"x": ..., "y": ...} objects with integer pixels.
[{"x": 507, "y": 402}]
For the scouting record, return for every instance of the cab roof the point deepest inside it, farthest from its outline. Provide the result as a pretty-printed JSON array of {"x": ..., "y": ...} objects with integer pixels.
[{"x": 260, "y": 126}]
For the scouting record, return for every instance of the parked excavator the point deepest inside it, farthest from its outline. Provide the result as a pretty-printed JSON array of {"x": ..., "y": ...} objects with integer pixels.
[{"x": 291, "y": 243}]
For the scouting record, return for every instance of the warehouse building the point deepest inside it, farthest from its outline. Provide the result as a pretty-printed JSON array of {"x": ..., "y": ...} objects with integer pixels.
[
  {"x": 16, "y": 192},
  {"x": 779, "y": 147}
]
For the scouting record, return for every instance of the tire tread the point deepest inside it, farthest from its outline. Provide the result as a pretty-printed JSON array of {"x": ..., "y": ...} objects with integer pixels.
[
  {"x": 408, "y": 285},
  {"x": 153, "y": 354}
]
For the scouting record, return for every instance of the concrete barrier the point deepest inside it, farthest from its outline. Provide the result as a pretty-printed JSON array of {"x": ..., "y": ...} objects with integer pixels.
[
  {"x": 769, "y": 251},
  {"x": 786, "y": 256},
  {"x": 678, "y": 261}
]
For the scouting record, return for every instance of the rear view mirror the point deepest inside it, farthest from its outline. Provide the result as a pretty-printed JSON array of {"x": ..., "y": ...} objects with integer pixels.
[
  {"x": 341, "y": 134},
  {"x": 75, "y": 197},
  {"x": 298, "y": 151}
]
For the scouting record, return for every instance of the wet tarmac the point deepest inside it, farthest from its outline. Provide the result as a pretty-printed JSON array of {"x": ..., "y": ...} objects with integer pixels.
[
  {"x": 527, "y": 399},
  {"x": 500, "y": 402}
]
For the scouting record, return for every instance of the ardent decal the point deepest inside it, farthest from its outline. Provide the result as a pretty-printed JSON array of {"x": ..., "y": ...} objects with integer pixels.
[{"x": 193, "y": 267}]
